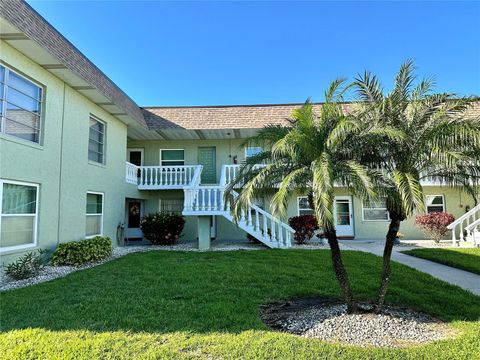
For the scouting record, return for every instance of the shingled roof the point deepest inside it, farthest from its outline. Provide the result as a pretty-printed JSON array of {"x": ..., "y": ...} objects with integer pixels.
[
  {"x": 231, "y": 116},
  {"x": 218, "y": 117}
]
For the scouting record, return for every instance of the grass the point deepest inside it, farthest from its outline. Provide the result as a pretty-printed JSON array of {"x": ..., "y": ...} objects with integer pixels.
[
  {"x": 184, "y": 305},
  {"x": 465, "y": 259}
]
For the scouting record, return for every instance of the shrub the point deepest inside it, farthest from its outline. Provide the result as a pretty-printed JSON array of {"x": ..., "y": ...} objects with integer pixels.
[
  {"x": 27, "y": 265},
  {"x": 304, "y": 226},
  {"x": 81, "y": 252},
  {"x": 434, "y": 225},
  {"x": 162, "y": 228}
]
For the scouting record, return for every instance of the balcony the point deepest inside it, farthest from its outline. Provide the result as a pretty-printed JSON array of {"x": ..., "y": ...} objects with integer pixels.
[{"x": 163, "y": 177}]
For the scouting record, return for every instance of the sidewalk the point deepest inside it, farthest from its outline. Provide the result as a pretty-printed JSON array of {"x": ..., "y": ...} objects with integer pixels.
[{"x": 463, "y": 279}]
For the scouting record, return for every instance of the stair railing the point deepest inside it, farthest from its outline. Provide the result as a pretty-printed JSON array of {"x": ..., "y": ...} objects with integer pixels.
[{"x": 459, "y": 226}]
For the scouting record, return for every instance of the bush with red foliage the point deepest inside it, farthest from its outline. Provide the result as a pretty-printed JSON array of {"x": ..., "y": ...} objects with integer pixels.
[
  {"x": 304, "y": 226},
  {"x": 162, "y": 228},
  {"x": 434, "y": 225}
]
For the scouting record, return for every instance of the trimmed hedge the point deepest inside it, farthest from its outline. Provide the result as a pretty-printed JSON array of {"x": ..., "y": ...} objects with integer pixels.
[{"x": 82, "y": 252}]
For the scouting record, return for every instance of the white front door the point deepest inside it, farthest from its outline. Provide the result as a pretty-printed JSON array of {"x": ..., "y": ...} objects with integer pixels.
[{"x": 343, "y": 213}]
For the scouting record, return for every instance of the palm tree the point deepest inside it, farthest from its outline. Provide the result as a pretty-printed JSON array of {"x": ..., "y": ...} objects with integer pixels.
[
  {"x": 311, "y": 154},
  {"x": 437, "y": 141}
]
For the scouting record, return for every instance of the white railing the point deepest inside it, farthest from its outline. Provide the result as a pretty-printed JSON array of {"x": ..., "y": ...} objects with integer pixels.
[
  {"x": 230, "y": 172},
  {"x": 462, "y": 225},
  {"x": 257, "y": 222},
  {"x": 132, "y": 173},
  {"x": 472, "y": 230},
  {"x": 163, "y": 177},
  {"x": 265, "y": 226}
]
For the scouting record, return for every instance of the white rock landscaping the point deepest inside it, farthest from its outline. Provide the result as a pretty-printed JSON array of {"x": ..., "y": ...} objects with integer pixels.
[{"x": 329, "y": 321}]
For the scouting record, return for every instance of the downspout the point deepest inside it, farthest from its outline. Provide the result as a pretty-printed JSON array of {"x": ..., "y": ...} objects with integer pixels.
[{"x": 61, "y": 172}]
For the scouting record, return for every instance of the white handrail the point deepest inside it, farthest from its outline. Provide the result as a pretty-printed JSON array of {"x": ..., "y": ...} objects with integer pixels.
[
  {"x": 473, "y": 225},
  {"x": 462, "y": 223},
  {"x": 464, "y": 216},
  {"x": 230, "y": 172},
  {"x": 260, "y": 210},
  {"x": 131, "y": 175},
  {"x": 254, "y": 220},
  {"x": 163, "y": 177}
]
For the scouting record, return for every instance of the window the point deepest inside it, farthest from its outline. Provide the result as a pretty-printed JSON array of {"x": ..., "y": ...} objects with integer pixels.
[
  {"x": 252, "y": 151},
  {"x": 135, "y": 156},
  {"x": 20, "y": 106},
  {"x": 435, "y": 203},
  {"x": 94, "y": 225},
  {"x": 96, "y": 141},
  {"x": 18, "y": 215},
  {"x": 375, "y": 210},
  {"x": 170, "y": 205},
  {"x": 172, "y": 157},
  {"x": 303, "y": 206}
]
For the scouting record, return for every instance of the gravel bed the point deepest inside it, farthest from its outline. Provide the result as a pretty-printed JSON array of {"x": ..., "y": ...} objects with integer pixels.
[{"x": 329, "y": 321}]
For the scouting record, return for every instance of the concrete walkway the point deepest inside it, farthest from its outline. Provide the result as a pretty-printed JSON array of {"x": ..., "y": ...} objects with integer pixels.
[{"x": 463, "y": 279}]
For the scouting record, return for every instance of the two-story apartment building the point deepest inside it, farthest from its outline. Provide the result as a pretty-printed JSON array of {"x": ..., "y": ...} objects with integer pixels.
[{"x": 79, "y": 158}]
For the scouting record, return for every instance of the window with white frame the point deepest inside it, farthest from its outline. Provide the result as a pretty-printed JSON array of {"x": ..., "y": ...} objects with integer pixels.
[
  {"x": 304, "y": 206},
  {"x": 135, "y": 156},
  {"x": 170, "y": 205},
  {"x": 20, "y": 106},
  {"x": 96, "y": 141},
  {"x": 172, "y": 157},
  {"x": 435, "y": 203},
  {"x": 18, "y": 215},
  {"x": 94, "y": 223},
  {"x": 375, "y": 210},
  {"x": 252, "y": 151}
]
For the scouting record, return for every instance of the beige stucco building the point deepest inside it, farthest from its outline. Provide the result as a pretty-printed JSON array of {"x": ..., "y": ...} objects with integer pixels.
[{"x": 79, "y": 158}]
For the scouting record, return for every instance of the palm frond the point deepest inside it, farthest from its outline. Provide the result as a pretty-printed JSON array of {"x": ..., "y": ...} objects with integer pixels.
[
  {"x": 368, "y": 88},
  {"x": 410, "y": 191},
  {"x": 322, "y": 188}
]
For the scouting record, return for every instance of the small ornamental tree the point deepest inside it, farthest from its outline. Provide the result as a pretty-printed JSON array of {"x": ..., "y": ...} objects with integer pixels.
[
  {"x": 434, "y": 225},
  {"x": 304, "y": 226},
  {"x": 162, "y": 228}
]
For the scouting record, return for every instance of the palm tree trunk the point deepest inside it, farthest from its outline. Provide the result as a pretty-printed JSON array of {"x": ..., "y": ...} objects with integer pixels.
[
  {"x": 395, "y": 220},
  {"x": 340, "y": 271}
]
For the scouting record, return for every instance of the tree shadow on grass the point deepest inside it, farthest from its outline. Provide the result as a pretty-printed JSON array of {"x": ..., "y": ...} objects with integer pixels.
[{"x": 213, "y": 292}]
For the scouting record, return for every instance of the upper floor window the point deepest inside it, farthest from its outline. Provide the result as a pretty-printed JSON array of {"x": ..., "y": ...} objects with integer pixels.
[
  {"x": 96, "y": 142},
  {"x": 252, "y": 151},
  {"x": 20, "y": 106},
  {"x": 18, "y": 215},
  {"x": 172, "y": 157},
  {"x": 375, "y": 210},
  {"x": 135, "y": 156},
  {"x": 435, "y": 203}
]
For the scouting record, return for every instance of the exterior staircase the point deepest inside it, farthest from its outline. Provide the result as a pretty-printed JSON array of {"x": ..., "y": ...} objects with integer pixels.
[
  {"x": 467, "y": 227},
  {"x": 211, "y": 200}
]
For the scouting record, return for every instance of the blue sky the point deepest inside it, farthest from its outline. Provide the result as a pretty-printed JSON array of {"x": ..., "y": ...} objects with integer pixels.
[{"x": 209, "y": 53}]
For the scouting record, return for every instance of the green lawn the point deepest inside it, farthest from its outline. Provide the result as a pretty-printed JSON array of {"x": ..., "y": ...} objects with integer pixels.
[
  {"x": 206, "y": 306},
  {"x": 465, "y": 259}
]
